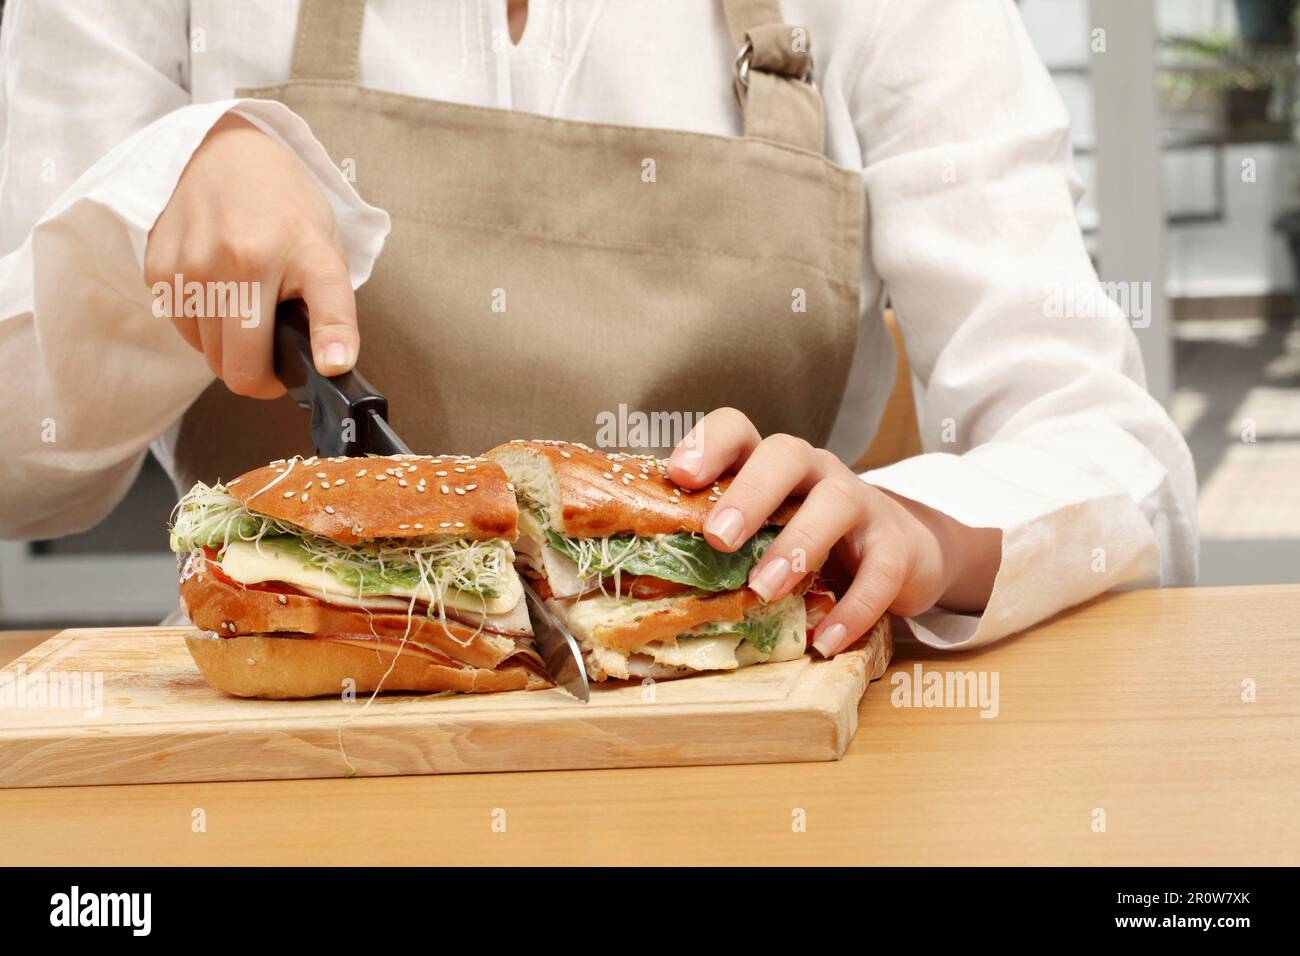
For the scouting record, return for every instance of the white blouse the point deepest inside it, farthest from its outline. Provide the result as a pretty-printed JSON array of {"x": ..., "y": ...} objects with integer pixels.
[{"x": 1035, "y": 423}]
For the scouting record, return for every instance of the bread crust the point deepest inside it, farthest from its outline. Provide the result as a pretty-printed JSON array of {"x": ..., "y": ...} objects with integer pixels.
[
  {"x": 214, "y": 605},
  {"x": 398, "y": 496},
  {"x": 608, "y": 493},
  {"x": 290, "y": 668}
]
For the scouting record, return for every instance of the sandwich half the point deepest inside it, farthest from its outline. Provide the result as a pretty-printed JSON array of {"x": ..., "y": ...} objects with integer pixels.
[
  {"x": 317, "y": 576},
  {"x": 618, "y": 552}
]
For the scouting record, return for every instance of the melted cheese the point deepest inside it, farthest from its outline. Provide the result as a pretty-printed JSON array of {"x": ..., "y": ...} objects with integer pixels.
[
  {"x": 244, "y": 562},
  {"x": 698, "y": 653}
]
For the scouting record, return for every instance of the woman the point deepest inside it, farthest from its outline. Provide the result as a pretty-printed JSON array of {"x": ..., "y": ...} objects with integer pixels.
[{"x": 583, "y": 205}]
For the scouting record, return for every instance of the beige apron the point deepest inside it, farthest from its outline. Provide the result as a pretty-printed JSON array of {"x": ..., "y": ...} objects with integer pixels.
[{"x": 548, "y": 278}]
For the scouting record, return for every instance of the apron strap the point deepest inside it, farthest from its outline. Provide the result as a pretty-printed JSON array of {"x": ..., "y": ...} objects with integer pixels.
[
  {"x": 774, "y": 75},
  {"x": 327, "y": 44}
]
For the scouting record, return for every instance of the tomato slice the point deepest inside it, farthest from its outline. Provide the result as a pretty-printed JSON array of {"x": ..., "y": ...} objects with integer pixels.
[
  {"x": 647, "y": 588},
  {"x": 818, "y": 604}
]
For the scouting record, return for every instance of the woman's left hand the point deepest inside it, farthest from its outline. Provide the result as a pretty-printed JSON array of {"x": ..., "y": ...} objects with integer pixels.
[{"x": 904, "y": 557}]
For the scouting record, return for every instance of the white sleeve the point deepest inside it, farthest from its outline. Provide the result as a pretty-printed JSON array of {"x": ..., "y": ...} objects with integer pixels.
[
  {"x": 91, "y": 376},
  {"x": 1033, "y": 405}
]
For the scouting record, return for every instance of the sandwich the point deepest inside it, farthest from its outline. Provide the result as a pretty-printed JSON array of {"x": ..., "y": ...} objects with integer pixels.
[
  {"x": 313, "y": 577},
  {"x": 617, "y": 550}
]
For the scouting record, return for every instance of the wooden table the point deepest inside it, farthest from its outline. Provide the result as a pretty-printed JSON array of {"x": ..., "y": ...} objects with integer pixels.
[{"x": 1131, "y": 705}]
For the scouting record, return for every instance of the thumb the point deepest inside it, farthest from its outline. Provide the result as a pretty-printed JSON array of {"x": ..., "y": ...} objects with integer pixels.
[{"x": 317, "y": 273}]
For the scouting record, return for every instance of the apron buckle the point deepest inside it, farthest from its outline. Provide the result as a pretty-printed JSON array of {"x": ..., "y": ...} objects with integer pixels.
[{"x": 740, "y": 82}]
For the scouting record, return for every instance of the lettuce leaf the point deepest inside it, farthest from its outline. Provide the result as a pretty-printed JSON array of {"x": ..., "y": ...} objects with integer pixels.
[
  {"x": 684, "y": 558},
  {"x": 762, "y": 630}
]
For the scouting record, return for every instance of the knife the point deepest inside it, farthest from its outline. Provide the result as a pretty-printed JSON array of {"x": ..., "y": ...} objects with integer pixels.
[{"x": 349, "y": 417}]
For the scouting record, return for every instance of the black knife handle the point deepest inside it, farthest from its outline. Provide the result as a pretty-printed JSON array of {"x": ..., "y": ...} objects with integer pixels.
[{"x": 343, "y": 408}]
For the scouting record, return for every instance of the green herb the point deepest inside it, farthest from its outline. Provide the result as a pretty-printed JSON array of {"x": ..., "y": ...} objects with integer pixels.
[{"x": 762, "y": 630}]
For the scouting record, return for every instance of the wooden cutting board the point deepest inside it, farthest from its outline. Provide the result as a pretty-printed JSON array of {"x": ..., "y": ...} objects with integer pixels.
[{"x": 145, "y": 715}]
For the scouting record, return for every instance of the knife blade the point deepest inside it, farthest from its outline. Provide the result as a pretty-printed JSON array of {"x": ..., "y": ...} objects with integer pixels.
[
  {"x": 559, "y": 650},
  {"x": 349, "y": 417}
]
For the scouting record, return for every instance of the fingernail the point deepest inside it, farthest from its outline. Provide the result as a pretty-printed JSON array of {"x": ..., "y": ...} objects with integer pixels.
[
  {"x": 830, "y": 639},
  {"x": 726, "y": 525},
  {"x": 770, "y": 578},
  {"x": 688, "y": 460},
  {"x": 335, "y": 357}
]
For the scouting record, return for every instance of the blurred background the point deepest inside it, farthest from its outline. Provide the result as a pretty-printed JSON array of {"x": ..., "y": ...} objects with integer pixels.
[{"x": 1185, "y": 118}]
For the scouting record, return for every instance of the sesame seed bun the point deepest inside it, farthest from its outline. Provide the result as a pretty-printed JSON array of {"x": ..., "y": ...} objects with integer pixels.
[
  {"x": 403, "y": 496},
  {"x": 594, "y": 494}
]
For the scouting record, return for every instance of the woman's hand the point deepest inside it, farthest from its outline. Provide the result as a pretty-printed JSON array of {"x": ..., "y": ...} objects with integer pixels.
[
  {"x": 904, "y": 557},
  {"x": 247, "y": 211}
]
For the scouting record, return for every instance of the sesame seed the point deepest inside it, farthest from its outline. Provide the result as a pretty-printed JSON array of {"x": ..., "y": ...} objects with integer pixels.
[
  {"x": 460, "y": 524},
  {"x": 459, "y": 471},
  {"x": 565, "y": 454},
  {"x": 444, "y": 489},
  {"x": 324, "y": 484},
  {"x": 329, "y": 509},
  {"x": 607, "y": 475},
  {"x": 307, "y": 487},
  {"x": 339, "y": 481},
  {"x": 401, "y": 482},
  {"x": 361, "y": 473},
  {"x": 510, "y": 486},
  {"x": 410, "y": 469},
  {"x": 615, "y": 468},
  {"x": 445, "y": 524},
  {"x": 418, "y": 525},
  {"x": 441, "y": 474},
  {"x": 471, "y": 467},
  {"x": 283, "y": 599},
  {"x": 470, "y": 487},
  {"x": 381, "y": 477},
  {"x": 713, "y": 498},
  {"x": 460, "y": 490},
  {"x": 289, "y": 494},
  {"x": 320, "y": 474},
  {"x": 402, "y": 527},
  {"x": 304, "y": 496}
]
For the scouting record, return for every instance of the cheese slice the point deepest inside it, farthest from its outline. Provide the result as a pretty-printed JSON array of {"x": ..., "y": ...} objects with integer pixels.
[
  {"x": 698, "y": 653},
  {"x": 248, "y": 563}
]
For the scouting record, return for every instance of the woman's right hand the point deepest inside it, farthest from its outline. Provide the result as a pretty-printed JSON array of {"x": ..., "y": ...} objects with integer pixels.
[{"x": 247, "y": 211}]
